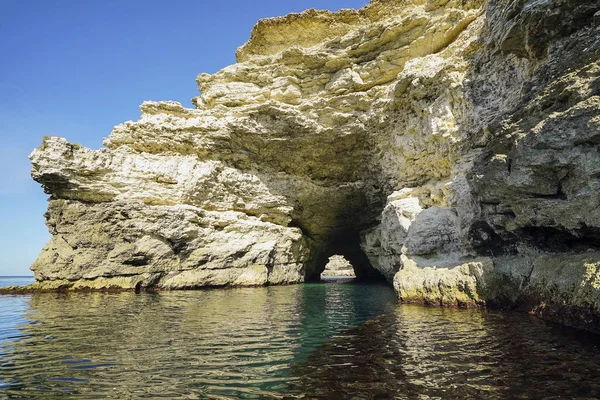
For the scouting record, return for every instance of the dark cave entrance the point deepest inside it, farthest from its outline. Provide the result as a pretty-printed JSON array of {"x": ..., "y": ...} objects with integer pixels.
[
  {"x": 332, "y": 217},
  {"x": 346, "y": 244}
]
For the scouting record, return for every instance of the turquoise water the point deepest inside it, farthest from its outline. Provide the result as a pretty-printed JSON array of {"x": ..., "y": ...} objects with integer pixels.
[{"x": 331, "y": 340}]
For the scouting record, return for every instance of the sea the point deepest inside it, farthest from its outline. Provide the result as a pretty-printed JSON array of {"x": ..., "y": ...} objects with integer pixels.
[{"x": 338, "y": 339}]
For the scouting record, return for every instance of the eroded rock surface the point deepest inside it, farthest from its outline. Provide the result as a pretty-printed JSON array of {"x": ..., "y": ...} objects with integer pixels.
[
  {"x": 338, "y": 266},
  {"x": 451, "y": 145}
]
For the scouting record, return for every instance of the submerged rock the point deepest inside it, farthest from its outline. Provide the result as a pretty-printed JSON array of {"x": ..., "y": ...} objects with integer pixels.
[{"x": 454, "y": 145}]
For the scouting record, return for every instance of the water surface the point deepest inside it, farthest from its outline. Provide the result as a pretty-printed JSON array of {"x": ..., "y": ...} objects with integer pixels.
[
  {"x": 15, "y": 280},
  {"x": 332, "y": 340}
]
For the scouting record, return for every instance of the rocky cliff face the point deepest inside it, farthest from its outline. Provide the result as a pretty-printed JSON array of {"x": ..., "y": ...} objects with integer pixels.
[{"x": 451, "y": 145}]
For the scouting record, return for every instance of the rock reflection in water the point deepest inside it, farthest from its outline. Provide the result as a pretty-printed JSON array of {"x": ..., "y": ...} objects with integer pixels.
[
  {"x": 169, "y": 344},
  {"x": 218, "y": 343},
  {"x": 325, "y": 341},
  {"x": 419, "y": 352}
]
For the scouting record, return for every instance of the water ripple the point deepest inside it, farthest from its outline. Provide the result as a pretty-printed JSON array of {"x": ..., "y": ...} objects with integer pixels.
[
  {"x": 237, "y": 343},
  {"x": 419, "y": 352},
  {"x": 324, "y": 341}
]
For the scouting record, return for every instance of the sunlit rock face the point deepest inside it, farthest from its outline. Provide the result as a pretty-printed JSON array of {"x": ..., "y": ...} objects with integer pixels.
[
  {"x": 516, "y": 220},
  {"x": 338, "y": 266},
  {"x": 450, "y": 145}
]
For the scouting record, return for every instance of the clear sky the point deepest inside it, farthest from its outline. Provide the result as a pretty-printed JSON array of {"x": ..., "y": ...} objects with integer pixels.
[{"x": 76, "y": 68}]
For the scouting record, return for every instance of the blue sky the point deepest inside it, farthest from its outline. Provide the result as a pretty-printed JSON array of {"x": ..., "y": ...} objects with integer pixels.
[{"x": 76, "y": 68}]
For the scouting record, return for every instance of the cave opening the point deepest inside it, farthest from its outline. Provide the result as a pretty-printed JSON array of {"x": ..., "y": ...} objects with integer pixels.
[
  {"x": 332, "y": 218},
  {"x": 344, "y": 247}
]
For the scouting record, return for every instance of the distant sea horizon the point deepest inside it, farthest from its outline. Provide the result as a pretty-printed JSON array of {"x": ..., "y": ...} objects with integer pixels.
[{"x": 16, "y": 280}]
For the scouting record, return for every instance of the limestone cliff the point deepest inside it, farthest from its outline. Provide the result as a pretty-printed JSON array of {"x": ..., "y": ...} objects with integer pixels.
[{"x": 451, "y": 145}]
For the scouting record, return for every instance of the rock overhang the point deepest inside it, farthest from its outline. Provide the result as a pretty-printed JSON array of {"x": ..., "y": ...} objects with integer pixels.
[{"x": 302, "y": 145}]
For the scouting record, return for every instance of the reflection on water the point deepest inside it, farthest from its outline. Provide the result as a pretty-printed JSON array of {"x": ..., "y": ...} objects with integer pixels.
[
  {"x": 419, "y": 352},
  {"x": 229, "y": 343},
  {"x": 307, "y": 341}
]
